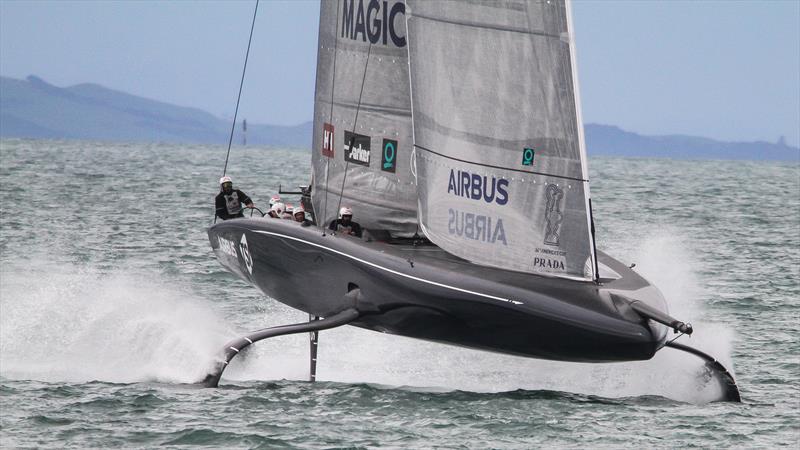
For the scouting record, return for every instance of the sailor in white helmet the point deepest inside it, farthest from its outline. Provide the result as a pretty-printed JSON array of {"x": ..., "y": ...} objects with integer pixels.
[
  {"x": 300, "y": 216},
  {"x": 275, "y": 199},
  {"x": 229, "y": 200},
  {"x": 276, "y": 212},
  {"x": 344, "y": 224},
  {"x": 288, "y": 213}
]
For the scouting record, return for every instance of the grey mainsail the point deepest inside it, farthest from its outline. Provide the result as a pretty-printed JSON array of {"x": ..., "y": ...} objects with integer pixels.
[
  {"x": 500, "y": 159},
  {"x": 364, "y": 40}
]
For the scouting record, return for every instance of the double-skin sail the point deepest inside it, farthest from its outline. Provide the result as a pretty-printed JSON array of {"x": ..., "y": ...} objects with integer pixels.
[{"x": 500, "y": 159}]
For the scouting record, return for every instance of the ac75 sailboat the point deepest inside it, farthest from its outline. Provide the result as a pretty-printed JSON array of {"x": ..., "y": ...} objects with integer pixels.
[{"x": 454, "y": 131}]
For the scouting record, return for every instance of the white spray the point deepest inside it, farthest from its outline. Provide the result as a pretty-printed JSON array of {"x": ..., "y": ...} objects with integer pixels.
[
  {"x": 82, "y": 325},
  {"x": 70, "y": 324}
]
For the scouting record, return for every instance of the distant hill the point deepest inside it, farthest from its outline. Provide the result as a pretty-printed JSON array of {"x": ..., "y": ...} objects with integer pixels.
[
  {"x": 36, "y": 109},
  {"x": 612, "y": 141},
  {"x": 33, "y": 108}
]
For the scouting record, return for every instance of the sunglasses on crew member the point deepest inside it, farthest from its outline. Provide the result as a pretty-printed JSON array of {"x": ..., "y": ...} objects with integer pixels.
[{"x": 227, "y": 184}]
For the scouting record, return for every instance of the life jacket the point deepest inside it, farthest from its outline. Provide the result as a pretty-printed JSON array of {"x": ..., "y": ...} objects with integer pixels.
[
  {"x": 233, "y": 204},
  {"x": 342, "y": 228}
]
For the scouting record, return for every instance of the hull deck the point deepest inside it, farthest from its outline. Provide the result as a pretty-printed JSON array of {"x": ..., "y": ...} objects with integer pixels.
[{"x": 424, "y": 292}]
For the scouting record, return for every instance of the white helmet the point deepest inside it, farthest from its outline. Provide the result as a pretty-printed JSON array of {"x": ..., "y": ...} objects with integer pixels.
[
  {"x": 225, "y": 179},
  {"x": 289, "y": 208},
  {"x": 275, "y": 199},
  {"x": 345, "y": 211},
  {"x": 278, "y": 208},
  {"x": 299, "y": 209}
]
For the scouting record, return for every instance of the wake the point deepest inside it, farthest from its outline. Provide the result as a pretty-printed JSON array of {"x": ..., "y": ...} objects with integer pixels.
[{"x": 79, "y": 324}]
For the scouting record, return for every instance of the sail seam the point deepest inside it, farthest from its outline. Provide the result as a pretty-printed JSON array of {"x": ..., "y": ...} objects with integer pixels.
[
  {"x": 489, "y": 27},
  {"x": 405, "y": 112},
  {"x": 499, "y": 167}
]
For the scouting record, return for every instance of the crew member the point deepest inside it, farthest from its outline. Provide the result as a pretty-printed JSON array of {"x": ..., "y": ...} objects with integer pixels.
[
  {"x": 300, "y": 216},
  {"x": 276, "y": 212},
  {"x": 288, "y": 214},
  {"x": 229, "y": 200},
  {"x": 344, "y": 224},
  {"x": 275, "y": 199}
]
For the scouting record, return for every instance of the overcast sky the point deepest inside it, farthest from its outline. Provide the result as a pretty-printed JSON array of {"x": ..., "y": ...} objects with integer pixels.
[{"x": 723, "y": 69}]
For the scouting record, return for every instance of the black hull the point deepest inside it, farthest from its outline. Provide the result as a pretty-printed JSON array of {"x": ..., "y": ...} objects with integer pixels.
[{"x": 423, "y": 292}]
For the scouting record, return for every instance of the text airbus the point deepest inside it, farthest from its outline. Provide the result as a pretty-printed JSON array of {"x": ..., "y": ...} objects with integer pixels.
[
  {"x": 478, "y": 187},
  {"x": 476, "y": 227}
]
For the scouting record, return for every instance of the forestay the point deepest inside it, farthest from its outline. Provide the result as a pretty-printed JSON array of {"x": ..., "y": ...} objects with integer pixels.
[
  {"x": 500, "y": 158},
  {"x": 374, "y": 175}
]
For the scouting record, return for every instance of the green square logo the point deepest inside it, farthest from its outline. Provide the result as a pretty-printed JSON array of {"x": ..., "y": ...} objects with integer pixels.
[
  {"x": 527, "y": 156},
  {"x": 389, "y": 155}
]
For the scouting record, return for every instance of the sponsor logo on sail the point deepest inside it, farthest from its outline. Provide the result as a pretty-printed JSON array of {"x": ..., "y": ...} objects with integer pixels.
[
  {"x": 476, "y": 227},
  {"x": 378, "y": 21},
  {"x": 548, "y": 260},
  {"x": 478, "y": 187},
  {"x": 248, "y": 260},
  {"x": 389, "y": 155},
  {"x": 356, "y": 148},
  {"x": 527, "y": 156},
  {"x": 553, "y": 214},
  {"x": 327, "y": 140}
]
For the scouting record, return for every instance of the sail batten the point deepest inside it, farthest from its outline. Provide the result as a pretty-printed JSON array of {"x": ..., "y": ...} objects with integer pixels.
[
  {"x": 488, "y": 26},
  {"x": 490, "y": 166}
]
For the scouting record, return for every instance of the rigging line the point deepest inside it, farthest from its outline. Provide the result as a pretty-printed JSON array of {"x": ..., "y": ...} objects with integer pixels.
[
  {"x": 241, "y": 83},
  {"x": 355, "y": 122},
  {"x": 330, "y": 117}
]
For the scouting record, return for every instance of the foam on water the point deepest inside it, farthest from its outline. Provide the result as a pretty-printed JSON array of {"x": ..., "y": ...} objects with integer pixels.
[
  {"x": 65, "y": 323},
  {"x": 69, "y": 323}
]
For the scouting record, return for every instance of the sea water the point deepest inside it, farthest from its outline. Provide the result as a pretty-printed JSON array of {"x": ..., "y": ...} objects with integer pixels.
[{"x": 112, "y": 308}]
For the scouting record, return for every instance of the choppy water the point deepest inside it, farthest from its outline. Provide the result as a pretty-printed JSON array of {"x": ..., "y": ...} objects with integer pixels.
[{"x": 112, "y": 305}]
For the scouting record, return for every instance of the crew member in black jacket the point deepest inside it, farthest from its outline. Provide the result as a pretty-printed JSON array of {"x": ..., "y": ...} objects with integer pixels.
[
  {"x": 229, "y": 200},
  {"x": 344, "y": 224}
]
